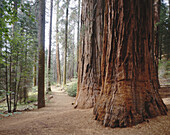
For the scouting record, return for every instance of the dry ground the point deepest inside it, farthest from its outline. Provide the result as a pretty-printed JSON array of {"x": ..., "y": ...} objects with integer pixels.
[{"x": 59, "y": 118}]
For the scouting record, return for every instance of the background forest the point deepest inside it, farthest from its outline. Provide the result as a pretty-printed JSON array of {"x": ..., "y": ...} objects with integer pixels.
[{"x": 19, "y": 48}]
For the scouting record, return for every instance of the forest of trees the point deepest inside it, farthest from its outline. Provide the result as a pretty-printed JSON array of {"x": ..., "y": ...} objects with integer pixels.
[
  {"x": 25, "y": 60},
  {"x": 111, "y": 47}
]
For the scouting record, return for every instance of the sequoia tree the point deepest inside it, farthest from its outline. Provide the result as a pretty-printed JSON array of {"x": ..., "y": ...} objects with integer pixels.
[
  {"x": 128, "y": 95},
  {"x": 90, "y": 52}
]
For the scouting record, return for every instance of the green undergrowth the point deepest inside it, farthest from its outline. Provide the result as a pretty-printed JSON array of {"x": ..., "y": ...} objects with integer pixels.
[
  {"x": 71, "y": 88},
  {"x": 22, "y": 106}
]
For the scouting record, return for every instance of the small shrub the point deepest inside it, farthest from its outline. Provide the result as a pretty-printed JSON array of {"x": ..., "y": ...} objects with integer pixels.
[
  {"x": 72, "y": 90},
  {"x": 31, "y": 99}
]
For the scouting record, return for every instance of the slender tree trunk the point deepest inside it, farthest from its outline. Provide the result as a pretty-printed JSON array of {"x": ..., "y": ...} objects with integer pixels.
[
  {"x": 73, "y": 58},
  {"x": 128, "y": 95},
  {"x": 65, "y": 48},
  {"x": 25, "y": 78},
  {"x": 20, "y": 90},
  {"x": 10, "y": 81},
  {"x": 57, "y": 48},
  {"x": 16, "y": 82},
  {"x": 16, "y": 63},
  {"x": 6, "y": 73},
  {"x": 54, "y": 68},
  {"x": 90, "y": 52},
  {"x": 41, "y": 65},
  {"x": 49, "y": 51},
  {"x": 35, "y": 71}
]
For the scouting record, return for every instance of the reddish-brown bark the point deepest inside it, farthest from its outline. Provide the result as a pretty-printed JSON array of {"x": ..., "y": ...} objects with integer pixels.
[
  {"x": 129, "y": 94},
  {"x": 90, "y": 52}
]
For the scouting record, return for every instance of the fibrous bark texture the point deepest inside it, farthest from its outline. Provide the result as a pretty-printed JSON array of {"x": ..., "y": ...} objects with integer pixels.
[
  {"x": 90, "y": 52},
  {"x": 128, "y": 94}
]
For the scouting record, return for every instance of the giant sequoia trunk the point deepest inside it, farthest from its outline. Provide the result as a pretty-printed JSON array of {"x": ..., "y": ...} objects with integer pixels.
[
  {"x": 90, "y": 51},
  {"x": 128, "y": 94}
]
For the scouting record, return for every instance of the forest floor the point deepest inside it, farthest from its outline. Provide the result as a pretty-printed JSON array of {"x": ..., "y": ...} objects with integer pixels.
[{"x": 60, "y": 118}]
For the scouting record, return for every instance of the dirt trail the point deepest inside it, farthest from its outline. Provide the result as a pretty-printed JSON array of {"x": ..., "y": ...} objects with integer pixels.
[{"x": 60, "y": 118}]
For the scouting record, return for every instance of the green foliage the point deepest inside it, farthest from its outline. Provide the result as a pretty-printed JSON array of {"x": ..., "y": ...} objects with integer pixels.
[
  {"x": 72, "y": 89},
  {"x": 32, "y": 98},
  {"x": 164, "y": 33},
  {"x": 18, "y": 45},
  {"x": 2, "y": 94}
]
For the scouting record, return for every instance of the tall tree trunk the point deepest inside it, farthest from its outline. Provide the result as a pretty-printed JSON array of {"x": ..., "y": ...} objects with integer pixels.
[
  {"x": 6, "y": 74},
  {"x": 20, "y": 96},
  {"x": 10, "y": 80},
  {"x": 78, "y": 32},
  {"x": 128, "y": 95},
  {"x": 41, "y": 65},
  {"x": 35, "y": 70},
  {"x": 65, "y": 48},
  {"x": 25, "y": 77},
  {"x": 57, "y": 48},
  {"x": 90, "y": 52},
  {"x": 16, "y": 63},
  {"x": 49, "y": 51},
  {"x": 54, "y": 68},
  {"x": 16, "y": 82},
  {"x": 73, "y": 58}
]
